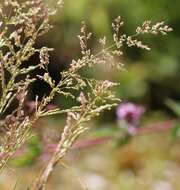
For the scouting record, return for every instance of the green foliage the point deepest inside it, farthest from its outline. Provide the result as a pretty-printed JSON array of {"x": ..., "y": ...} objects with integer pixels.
[
  {"x": 174, "y": 106},
  {"x": 176, "y": 131},
  {"x": 32, "y": 151}
]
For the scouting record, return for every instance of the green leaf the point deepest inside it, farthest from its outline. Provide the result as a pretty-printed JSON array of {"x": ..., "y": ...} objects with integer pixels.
[
  {"x": 174, "y": 106},
  {"x": 176, "y": 131}
]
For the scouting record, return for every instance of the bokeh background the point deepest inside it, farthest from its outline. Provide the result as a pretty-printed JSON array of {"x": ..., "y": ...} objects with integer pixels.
[{"x": 150, "y": 161}]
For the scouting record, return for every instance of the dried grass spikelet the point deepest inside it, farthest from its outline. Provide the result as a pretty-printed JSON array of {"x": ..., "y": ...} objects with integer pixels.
[
  {"x": 30, "y": 20},
  {"x": 157, "y": 28}
]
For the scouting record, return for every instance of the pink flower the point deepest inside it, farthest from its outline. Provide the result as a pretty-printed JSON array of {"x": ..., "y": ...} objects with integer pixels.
[{"x": 130, "y": 112}]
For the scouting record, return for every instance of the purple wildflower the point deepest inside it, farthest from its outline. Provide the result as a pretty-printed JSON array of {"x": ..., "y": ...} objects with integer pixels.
[{"x": 130, "y": 113}]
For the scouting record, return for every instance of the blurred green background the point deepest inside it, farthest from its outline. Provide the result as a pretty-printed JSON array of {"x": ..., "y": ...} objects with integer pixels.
[{"x": 147, "y": 162}]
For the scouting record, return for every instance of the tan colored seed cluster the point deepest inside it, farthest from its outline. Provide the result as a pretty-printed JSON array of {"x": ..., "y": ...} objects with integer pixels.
[
  {"x": 19, "y": 32},
  {"x": 148, "y": 27}
]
